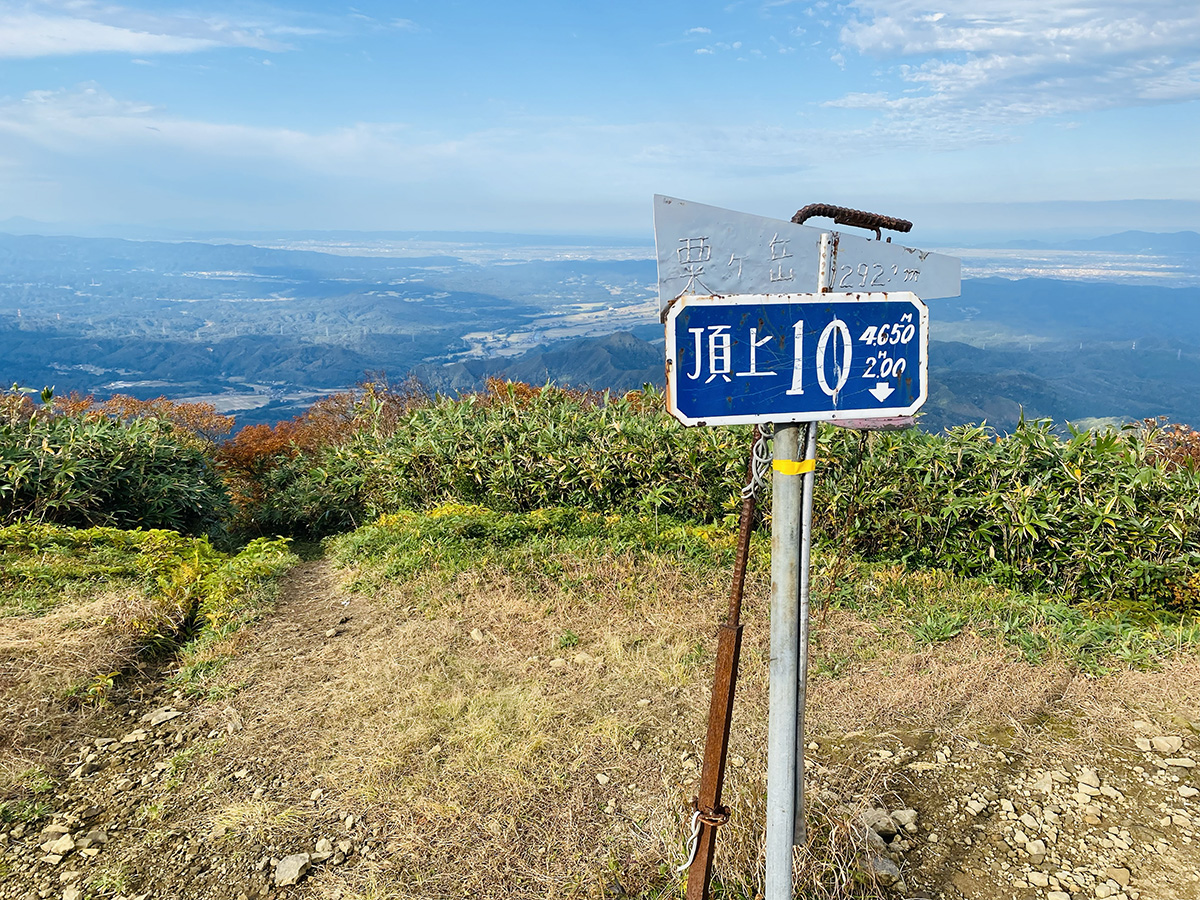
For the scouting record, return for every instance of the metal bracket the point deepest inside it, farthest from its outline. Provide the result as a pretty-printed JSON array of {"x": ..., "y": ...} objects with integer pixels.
[{"x": 856, "y": 218}]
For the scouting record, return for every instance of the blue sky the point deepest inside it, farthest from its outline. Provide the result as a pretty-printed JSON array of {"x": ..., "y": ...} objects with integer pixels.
[{"x": 562, "y": 116}]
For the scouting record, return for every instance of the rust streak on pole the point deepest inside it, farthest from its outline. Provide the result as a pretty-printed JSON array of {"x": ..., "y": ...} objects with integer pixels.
[
  {"x": 720, "y": 711},
  {"x": 745, "y": 529}
]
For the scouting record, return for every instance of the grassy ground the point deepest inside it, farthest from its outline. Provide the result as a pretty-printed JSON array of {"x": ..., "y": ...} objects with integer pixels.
[
  {"x": 553, "y": 669},
  {"x": 514, "y": 705},
  {"x": 84, "y": 611}
]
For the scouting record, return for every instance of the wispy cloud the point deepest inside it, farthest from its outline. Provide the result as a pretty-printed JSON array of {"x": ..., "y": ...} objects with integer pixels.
[
  {"x": 720, "y": 47},
  {"x": 89, "y": 122},
  {"x": 396, "y": 23},
  {"x": 84, "y": 148},
  {"x": 993, "y": 64},
  {"x": 699, "y": 30},
  {"x": 45, "y": 29}
]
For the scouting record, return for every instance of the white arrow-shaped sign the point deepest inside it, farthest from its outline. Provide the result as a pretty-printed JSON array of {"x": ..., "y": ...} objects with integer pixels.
[
  {"x": 882, "y": 391},
  {"x": 704, "y": 250}
]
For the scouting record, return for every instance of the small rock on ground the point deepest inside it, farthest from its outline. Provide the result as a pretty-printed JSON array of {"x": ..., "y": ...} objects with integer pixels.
[{"x": 291, "y": 869}]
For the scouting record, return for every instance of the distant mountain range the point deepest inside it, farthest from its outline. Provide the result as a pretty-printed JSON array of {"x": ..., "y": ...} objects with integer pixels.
[
  {"x": 1179, "y": 242},
  {"x": 967, "y": 384},
  {"x": 261, "y": 332},
  {"x": 618, "y": 362},
  {"x": 21, "y": 225}
]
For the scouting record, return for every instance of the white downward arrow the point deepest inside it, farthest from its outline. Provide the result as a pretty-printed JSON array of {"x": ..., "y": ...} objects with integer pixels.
[{"x": 882, "y": 391}]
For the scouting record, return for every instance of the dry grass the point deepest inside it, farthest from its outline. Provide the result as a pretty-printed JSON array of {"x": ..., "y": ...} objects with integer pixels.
[
  {"x": 89, "y": 609},
  {"x": 481, "y": 757},
  {"x": 961, "y": 684},
  {"x": 531, "y": 726},
  {"x": 438, "y": 715},
  {"x": 1168, "y": 697},
  {"x": 48, "y": 662}
]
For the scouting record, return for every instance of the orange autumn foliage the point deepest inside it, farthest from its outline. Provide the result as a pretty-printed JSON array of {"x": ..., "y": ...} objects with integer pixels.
[
  {"x": 498, "y": 391},
  {"x": 200, "y": 420},
  {"x": 1175, "y": 444},
  {"x": 331, "y": 421}
]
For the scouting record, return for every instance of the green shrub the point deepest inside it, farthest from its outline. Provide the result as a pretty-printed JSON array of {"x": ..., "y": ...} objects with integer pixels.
[
  {"x": 1096, "y": 515},
  {"x": 186, "y": 573},
  {"x": 126, "y": 597},
  {"x": 514, "y": 449},
  {"x": 520, "y": 452},
  {"x": 311, "y": 494},
  {"x": 452, "y": 538},
  {"x": 83, "y": 471},
  {"x": 1093, "y": 515}
]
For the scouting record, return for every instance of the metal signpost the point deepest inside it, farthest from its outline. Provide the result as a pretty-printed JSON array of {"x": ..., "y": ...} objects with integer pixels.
[{"x": 746, "y": 344}]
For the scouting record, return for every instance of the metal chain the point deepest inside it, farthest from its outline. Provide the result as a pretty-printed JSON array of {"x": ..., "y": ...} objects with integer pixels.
[{"x": 761, "y": 455}]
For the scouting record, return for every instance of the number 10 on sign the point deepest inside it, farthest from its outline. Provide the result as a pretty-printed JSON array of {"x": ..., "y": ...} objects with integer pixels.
[{"x": 796, "y": 357}]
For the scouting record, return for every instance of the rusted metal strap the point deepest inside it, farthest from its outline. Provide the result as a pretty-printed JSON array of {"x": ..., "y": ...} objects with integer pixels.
[
  {"x": 713, "y": 819},
  {"x": 856, "y": 218},
  {"x": 745, "y": 530},
  {"x": 709, "y": 813}
]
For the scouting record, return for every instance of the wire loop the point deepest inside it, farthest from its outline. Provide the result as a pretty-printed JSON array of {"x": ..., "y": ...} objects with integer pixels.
[
  {"x": 761, "y": 455},
  {"x": 714, "y": 819}
]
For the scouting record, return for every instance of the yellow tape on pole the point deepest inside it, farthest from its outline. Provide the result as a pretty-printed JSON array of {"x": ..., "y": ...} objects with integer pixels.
[{"x": 794, "y": 466}]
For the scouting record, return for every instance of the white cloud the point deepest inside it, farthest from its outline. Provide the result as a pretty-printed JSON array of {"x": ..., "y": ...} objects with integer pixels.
[
  {"x": 89, "y": 123},
  {"x": 45, "y": 29},
  {"x": 55, "y": 130},
  {"x": 1008, "y": 62},
  {"x": 83, "y": 153},
  {"x": 38, "y": 35},
  {"x": 699, "y": 30},
  {"x": 87, "y": 102},
  {"x": 704, "y": 51}
]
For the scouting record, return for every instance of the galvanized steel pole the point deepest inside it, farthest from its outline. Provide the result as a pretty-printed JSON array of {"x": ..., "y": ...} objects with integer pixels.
[{"x": 785, "y": 641}]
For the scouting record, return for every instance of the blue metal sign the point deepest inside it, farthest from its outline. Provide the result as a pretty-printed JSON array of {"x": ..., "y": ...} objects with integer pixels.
[{"x": 796, "y": 357}]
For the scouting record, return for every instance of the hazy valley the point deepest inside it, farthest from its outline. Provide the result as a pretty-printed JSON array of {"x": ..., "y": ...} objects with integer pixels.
[{"x": 1106, "y": 328}]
